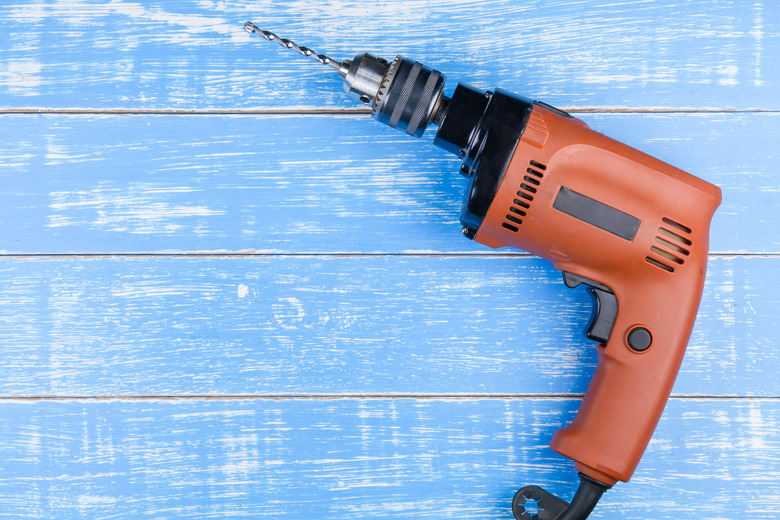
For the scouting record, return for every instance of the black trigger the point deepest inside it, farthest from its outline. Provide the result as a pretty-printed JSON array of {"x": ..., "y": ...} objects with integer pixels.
[
  {"x": 602, "y": 319},
  {"x": 605, "y": 307}
]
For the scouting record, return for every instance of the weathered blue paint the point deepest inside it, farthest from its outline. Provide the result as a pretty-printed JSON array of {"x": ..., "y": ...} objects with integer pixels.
[
  {"x": 182, "y": 54},
  {"x": 86, "y": 184},
  {"x": 282, "y": 320},
  {"x": 347, "y": 325},
  {"x": 364, "y": 458}
]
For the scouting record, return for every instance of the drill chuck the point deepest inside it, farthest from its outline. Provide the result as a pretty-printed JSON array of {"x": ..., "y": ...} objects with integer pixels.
[
  {"x": 404, "y": 94},
  {"x": 363, "y": 76}
]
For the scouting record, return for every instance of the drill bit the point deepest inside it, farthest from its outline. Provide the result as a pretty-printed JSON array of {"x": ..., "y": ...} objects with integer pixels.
[
  {"x": 404, "y": 94},
  {"x": 288, "y": 44}
]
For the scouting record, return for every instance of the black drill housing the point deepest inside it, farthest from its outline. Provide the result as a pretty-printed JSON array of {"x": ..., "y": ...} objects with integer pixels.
[{"x": 483, "y": 128}]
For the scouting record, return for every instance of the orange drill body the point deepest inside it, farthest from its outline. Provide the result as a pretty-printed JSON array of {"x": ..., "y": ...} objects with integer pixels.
[{"x": 656, "y": 272}]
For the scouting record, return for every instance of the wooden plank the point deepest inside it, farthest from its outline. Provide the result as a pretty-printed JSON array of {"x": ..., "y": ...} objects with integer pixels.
[
  {"x": 358, "y": 458},
  {"x": 194, "y": 55},
  {"x": 347, "y": 325},
  {"x": 84, "y": 184}
]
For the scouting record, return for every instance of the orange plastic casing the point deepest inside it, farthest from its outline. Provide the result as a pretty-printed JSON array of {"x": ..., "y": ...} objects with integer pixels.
[{"x": 657, "y": 275}]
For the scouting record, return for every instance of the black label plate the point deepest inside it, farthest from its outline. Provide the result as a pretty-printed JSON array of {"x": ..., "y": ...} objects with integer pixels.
[{"x": 596, "y": 213}]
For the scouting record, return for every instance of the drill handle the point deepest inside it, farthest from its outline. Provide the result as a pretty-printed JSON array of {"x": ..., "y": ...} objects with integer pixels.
[{"x": 636, "y": 370}]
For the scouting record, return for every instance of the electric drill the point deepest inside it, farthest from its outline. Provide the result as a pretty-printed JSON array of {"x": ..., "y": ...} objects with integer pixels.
[{"x": 632, "y": 229}]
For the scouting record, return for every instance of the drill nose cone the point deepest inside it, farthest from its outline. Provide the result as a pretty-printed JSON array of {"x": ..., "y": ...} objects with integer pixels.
[{"x": 363, "y": 77}]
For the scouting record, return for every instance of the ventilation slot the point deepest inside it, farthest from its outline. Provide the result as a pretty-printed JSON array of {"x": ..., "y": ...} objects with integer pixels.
[
  {"x": 525, "y": 195},
  {"x": 684, "y": 229},
  {"x": 671, "y": 245}
]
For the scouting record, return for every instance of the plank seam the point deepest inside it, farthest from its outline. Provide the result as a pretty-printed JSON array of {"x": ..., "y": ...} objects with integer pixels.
[
  {"x": 362, "y": 397},
  {"x": 349, "y": 111},
  {"x": 249, "y": 254}
]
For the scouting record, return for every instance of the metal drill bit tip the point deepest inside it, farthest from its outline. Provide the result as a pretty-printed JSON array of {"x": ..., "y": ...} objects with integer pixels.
[{"x": 288, "y": 44}]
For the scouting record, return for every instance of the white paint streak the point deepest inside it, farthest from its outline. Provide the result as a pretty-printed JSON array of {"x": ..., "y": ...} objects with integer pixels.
[
  {"x": 130, "y": 291},
  {"x": 58, "y": 154},
  {"x": 88, "y": 502},
  {"x": 138, "y": 209},
  {"x": 20, "y": 77},
  {"x": 243, "y": 290},
  {"x": 729, "y": 73},
  {"x": 758, "y": 430},
  {"x": 242, "y": 456},
  {"x": 758, "y": 34},
  {"x": 189, "y": 27},
  {"x": 288, "y": 313},
  {"x": 604, "y": 79}
]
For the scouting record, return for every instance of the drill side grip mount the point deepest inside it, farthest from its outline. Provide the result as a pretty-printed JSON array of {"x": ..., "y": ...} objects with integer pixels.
[{"x": 534, "y": 503}]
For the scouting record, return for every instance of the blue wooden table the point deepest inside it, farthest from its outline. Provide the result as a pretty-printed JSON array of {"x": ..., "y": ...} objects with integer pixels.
[{"x": 228, "y": 293}]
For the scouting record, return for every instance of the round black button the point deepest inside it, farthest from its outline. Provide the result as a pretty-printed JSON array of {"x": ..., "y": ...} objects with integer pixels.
[{"x": 640, "y": 339}]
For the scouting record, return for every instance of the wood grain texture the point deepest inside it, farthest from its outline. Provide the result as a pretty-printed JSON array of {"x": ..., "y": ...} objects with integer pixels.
[
  {"x": 358, "y": 458},
  {"x": 84, "y": 184},
  {"x": 195, "y": 55},
  {"x": 226, "y": 293}
]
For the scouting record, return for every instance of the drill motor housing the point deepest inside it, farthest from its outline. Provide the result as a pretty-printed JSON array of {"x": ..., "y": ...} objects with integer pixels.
[{"x": 631, "y": 228}]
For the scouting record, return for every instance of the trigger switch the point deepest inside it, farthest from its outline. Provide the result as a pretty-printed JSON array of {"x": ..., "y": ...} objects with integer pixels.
[
  {"x": 602, "y": 319},
  {"x": 605, "y": 306}
]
